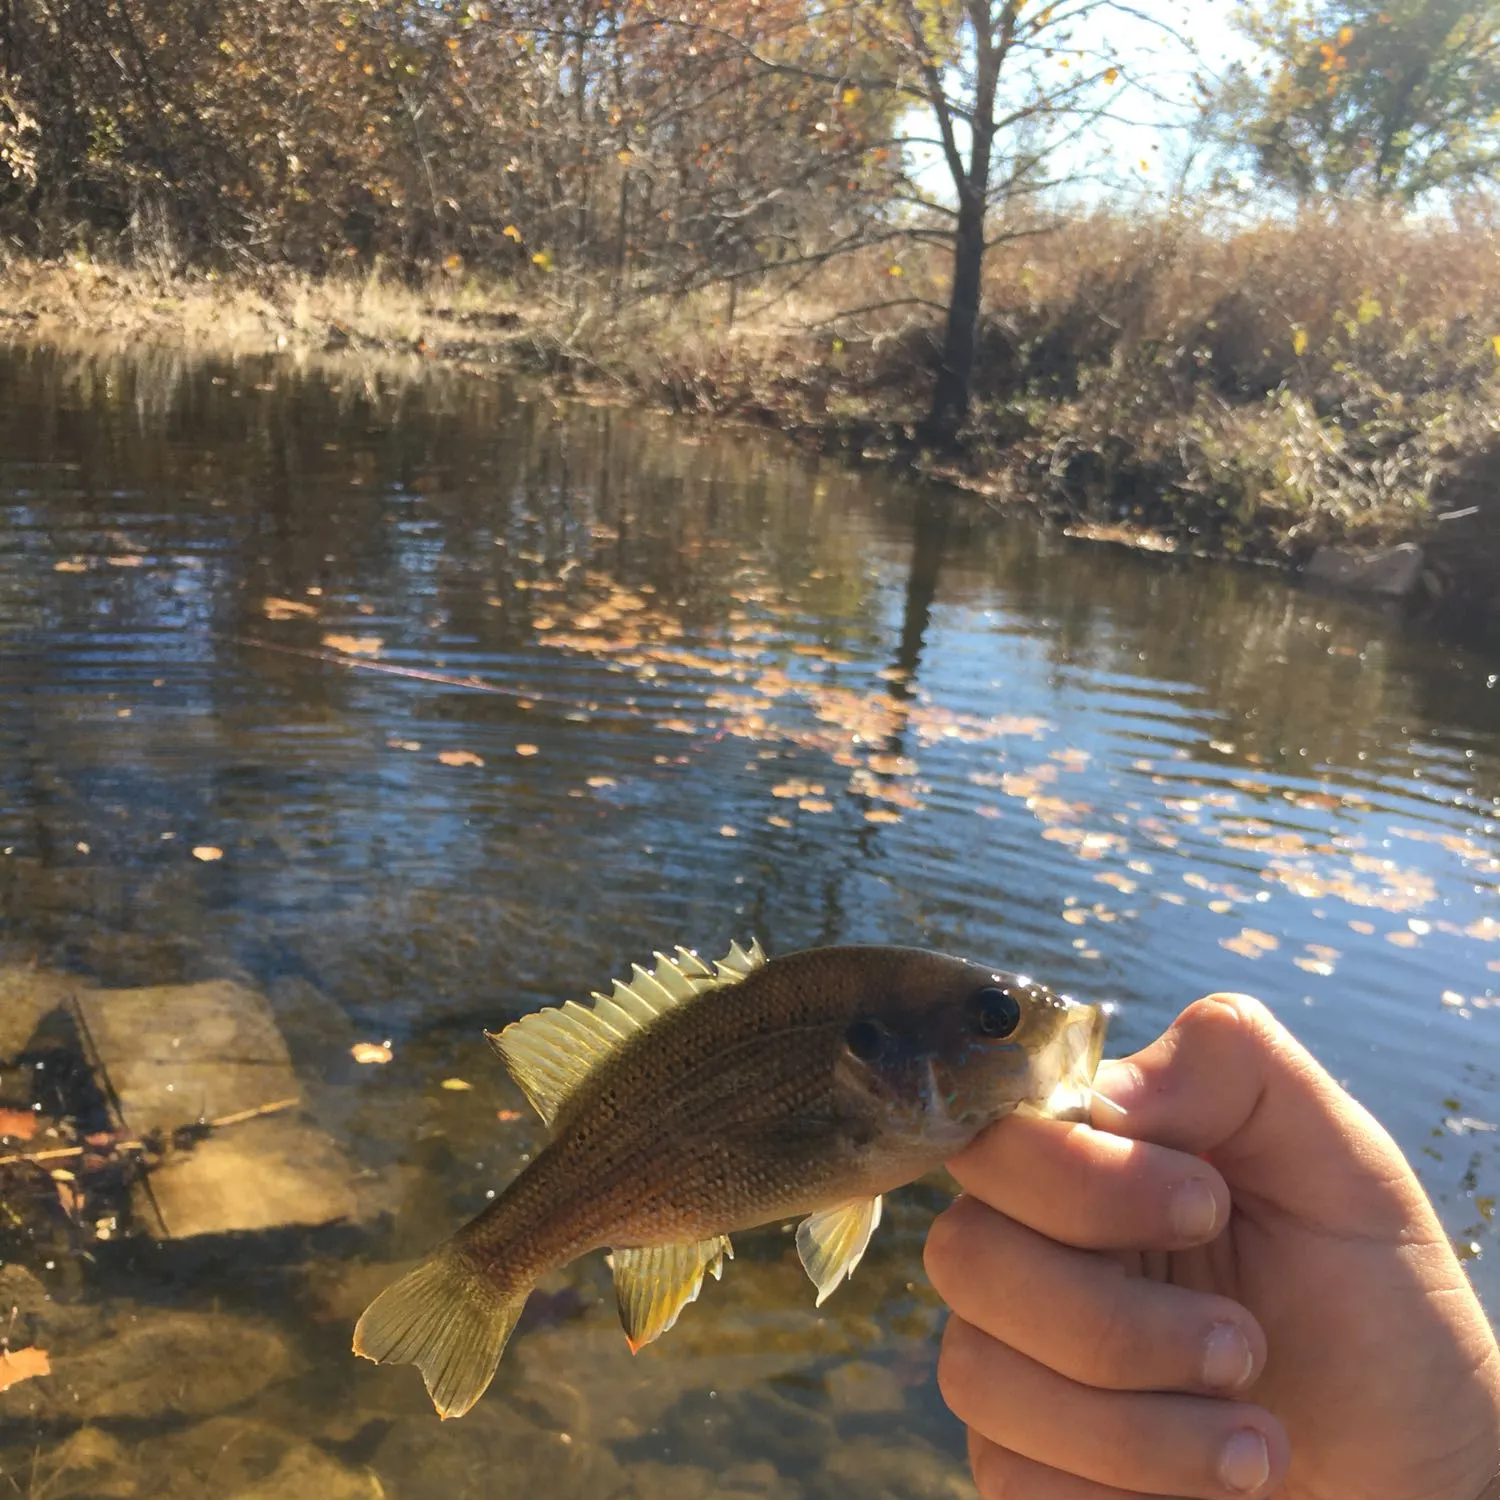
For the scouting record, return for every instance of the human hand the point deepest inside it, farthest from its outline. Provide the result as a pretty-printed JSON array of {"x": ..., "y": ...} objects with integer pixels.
[{"x": 1239, "y": 1290}]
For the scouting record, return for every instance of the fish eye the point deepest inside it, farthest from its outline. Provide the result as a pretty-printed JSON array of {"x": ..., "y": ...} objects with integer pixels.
[
  {"x": 995, "y": 1012},
  {"x": 865, "y": 1039}
]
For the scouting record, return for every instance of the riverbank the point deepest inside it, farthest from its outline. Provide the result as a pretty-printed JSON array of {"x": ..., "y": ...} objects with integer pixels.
[{"x": 1259, "y": 395}]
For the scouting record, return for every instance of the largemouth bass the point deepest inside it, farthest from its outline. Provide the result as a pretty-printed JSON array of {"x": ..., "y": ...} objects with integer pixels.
[{"x": 696, "y": 1101}]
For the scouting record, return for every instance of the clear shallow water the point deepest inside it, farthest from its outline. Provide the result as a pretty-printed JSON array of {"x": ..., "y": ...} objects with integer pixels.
[{"x": 745, "y": 693}]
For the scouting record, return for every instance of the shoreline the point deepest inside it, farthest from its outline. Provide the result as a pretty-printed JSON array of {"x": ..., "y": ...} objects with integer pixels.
[{"x": 1441, "y": 562}]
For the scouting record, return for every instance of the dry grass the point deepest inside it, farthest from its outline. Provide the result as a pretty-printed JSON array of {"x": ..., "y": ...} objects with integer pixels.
[{"x": 1254, "y": 392}]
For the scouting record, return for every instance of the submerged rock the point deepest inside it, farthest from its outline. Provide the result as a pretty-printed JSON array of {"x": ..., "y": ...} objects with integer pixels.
[
  {"x": 91, "y": 1464},
  {"x": 1391, "y": 572},
  {"x": 877, "y": 1470},
  {"x": 168, "y": 1364},
  {"x": 307, "y": 1473}
]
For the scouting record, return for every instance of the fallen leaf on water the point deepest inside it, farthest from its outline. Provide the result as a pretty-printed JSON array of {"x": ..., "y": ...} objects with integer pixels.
[
  {"x": 728, "y": 831},
  {"x": 601, "y": 781},
  {"x": 1314, "y": 965},
  {"x": 404, "y": 744},
  {"x": 125, "y": 560},
  {"x": 526, "y": 749},
  {"x": 1452, "y": 997},
  {"x": 1241, "y": 946},
  {"x": 207, "y": 853},
  {"x": 460, "y": 758},
  {"x": 355, "y": 645},
  {"x": 508, "y": 1116},
  {"x": 371, "y": 1052},
  {"x": 17, "y": 1365},
  {"x": 1220, "y": 907},
  {"x": 1260, "y": 939},
  {"x": 893, "y": 765},
  {"x": 457, "y": 1085},
  {"x": 815, "y": 805},
  {"x": 1368, "y": 928},
  {"x": 1402, "y": 939},
  {"x": 882, "y": 815},
  {"x": 779, "y": 822},
  {"x": 1076, "y": 915},
  {"x": 70, "y": 565},
  {"x": 288, "y": 609},
  {"x": 18, "y": 1124}
]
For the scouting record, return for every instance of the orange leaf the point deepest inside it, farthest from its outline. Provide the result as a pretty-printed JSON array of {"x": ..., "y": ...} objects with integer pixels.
[
  {"x": 371, "y": 1052},
  {"x": 18, "y": 1124},
  {"x": 207, "y": 853},
  {"x": 460, "y": 758},
  {"x": 17, "y": 1365},
  {"x": 288, "y": 609},
  {"x": 354, "y": 645},
  {"x": 526, "y": 749}
]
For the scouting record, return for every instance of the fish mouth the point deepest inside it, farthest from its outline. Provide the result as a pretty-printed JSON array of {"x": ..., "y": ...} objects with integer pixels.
[{"x": 1079, "y": 1048}]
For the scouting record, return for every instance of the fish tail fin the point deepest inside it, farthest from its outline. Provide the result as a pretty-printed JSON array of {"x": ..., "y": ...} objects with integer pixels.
[{"x": 449, "y": 1320}]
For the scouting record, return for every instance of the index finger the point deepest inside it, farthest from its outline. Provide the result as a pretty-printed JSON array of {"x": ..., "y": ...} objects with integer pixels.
[{"x": 1094, "y": 1190}]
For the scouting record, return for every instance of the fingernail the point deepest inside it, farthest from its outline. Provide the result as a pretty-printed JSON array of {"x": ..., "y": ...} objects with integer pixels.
[
  {"x": 1192, "y": 1210},
  {"x": 1245, "y": 1463},
  {"x": 1227, "y": 1360}
]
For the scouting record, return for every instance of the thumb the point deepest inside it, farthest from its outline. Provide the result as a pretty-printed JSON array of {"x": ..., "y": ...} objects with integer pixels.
[{"x": 1227, "y": 1081}]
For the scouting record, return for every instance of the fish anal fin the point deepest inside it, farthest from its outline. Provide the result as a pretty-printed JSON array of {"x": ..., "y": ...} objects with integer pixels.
[
  {"x": 550, "y": 1053},
  {"x": 654, "y": 1283},
  {"x": 448, "y": 1319},
  {"x": 832, "y": 1241}
]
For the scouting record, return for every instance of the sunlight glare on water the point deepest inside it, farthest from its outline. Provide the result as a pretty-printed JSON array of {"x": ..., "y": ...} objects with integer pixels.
[{"x": 416, "y": 704}]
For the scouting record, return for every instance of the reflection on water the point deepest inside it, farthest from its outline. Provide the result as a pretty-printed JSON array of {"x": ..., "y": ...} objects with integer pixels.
[{"x": 482, "y": 699}]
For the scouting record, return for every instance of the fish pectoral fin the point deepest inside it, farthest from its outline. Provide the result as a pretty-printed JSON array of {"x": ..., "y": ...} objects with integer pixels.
[
  {"x": 654, "y": 1283},
  {"x": 832, "y": 1241}
]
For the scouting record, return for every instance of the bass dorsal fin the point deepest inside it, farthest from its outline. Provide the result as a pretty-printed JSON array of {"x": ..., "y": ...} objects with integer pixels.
[{"x": 551, "y": 1052}]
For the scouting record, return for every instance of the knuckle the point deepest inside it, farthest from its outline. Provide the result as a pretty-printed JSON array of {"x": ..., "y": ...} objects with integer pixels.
[
  {"x": 1114, "y": 1353},
  {"x": 958, "y": 1372},
  {"x": 950, "y": 1250},
  {"x": 992, "y": 1468}
]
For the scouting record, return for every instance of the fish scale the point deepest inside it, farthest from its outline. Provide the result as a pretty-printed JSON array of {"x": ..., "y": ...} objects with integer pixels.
[{"x": 693, "y": 1102}]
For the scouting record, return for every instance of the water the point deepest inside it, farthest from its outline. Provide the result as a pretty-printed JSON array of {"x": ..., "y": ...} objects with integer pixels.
[{"x": 745, "y": 692}]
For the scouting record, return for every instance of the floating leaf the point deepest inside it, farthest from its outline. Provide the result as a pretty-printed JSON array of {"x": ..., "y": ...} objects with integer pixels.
[
  {"x": 371, "y": 1052},
  {"x": 70, "y": 565},
  {"x": 1299, "y": 342},
  {"x": 728, "y": 831},
  {"x": 457, "y": 1085},
  {"x": 404, "y": 744},
  {"x": 1402, "y": 939},
  {"x": 815, "y": 805},
  {"x": 1313, "y": 965},
  {"x": 208, "y": 853},
  {"x": 460, "y": 758},
  {"x": 599, "y": 782},
  {"x": 508, "y": 1116},
  {"x": 288, "y": 609},
  {"x": 526, "y": 750},
  {"x": 882, "y": 815},
  {"x": 355, "y": 645}
]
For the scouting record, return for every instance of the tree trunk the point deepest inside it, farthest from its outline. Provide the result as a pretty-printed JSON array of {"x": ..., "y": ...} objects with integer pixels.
[{"x": 955, "y": 377}]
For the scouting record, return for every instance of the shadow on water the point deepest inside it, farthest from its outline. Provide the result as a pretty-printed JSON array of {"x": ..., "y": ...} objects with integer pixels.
[{"x": 645, "y": 684}]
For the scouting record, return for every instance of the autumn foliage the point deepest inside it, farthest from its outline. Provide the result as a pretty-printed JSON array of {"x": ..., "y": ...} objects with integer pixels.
[{"x": 516, "y": 134}]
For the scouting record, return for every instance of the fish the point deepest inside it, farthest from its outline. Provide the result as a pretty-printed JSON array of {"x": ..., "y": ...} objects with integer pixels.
[{"x": 696, "y": 1101}]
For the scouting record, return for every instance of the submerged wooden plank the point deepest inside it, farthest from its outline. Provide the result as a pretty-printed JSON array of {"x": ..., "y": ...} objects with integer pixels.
[{"x": 176, "y": 1055}]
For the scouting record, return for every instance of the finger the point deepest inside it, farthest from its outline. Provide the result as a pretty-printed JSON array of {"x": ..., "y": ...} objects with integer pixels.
[
  {"x": 1079, "y": 1314},
  {"x": 1090, "y": 1188},
  {"x": 1000, "y": 1474},
  {"x": 1228, "y": 1080},
  {"x": 1156, "y": 1444}
]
